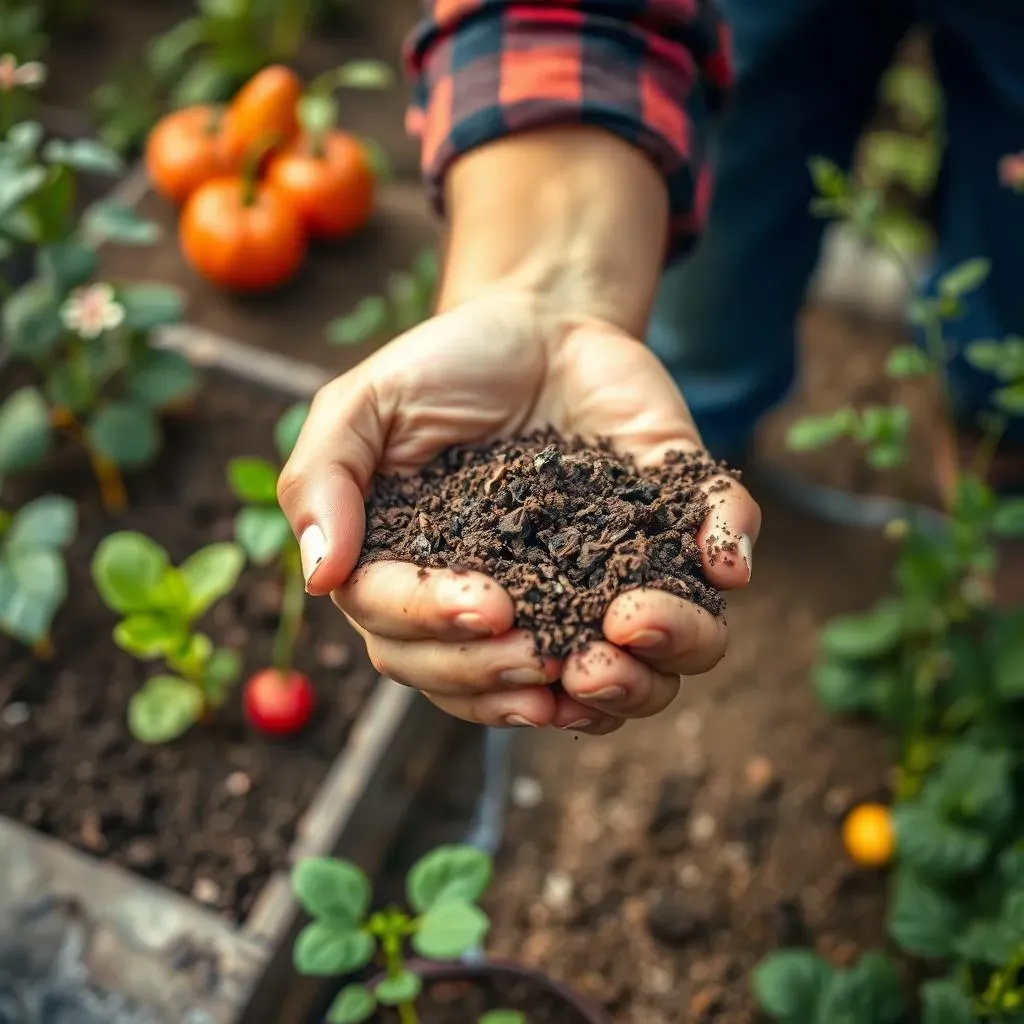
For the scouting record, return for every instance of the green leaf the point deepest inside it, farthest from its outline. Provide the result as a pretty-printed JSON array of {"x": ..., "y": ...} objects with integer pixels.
[
  {"x": 85, "y": 155},
  {"x": 24, "y": 615},
  {"x": 814, "y": 432},
  {"x": 936, "y": 848},
  {"x": 210, "y": 574},
  {"x": 164, "y": 709},
  {"x": 907, "y": 361},
  {"x": 148, "y": 305},
  {"x": 843, "y": 688},
  {"x": 363, "y": 74},
  {"x": 828, "y": 178},
  {"x": 369, "y": 317},
  {"x": 1011, "y": 399},
  {"x": 318, "y": 114},
  {"x": 503, "y": 1017},
  {"x": 223, "y": 667},
  {"x": 16, "y": 187},
  {"x": 404, "y": 987},
  {"x": 1008, "y": 519},
  {"x": 354, "y": 1004},
  {"x": 986, "y": 942},
  {"x": 945, "y": 1002},
  {"x": 449, "y": 873},
  {"x": 46, "y": 522},
  {"x": 166, "y": 53},
  {"x": 325, "y": 948},
  {"x": 973, "y": 785},
  {"x": 146, "y": 635},
  {"x": 158, "y": 377},
  {"x": 109, "y": 220},
  {"x": 191, "y": 659},
  {"x": 788, "y": 984},
  {"x": 204, "y": 82},
  {"x": 868, "y": 992},
  {"x": 127, "y": 569},
  {"x": 67, "y": 264},
  {"x": 253, "y": 480},
  {"x": 965, "y": 278},
  {"x": 262, "y": 533},
  {"x": 31, "y": 320},
  {"x": 337, "y": 890},
  {"x": 288, "y": 428},
  {"x": 68, "y": 387},
  {"x": 894, "y": 157},
  {"x": 40, "y": 575},
  {"x": 25, "y": 431},
  {"x": 872, "y": 634},
  {"x": 448, "y": 930},
  {"x": 124, "y": 432},
  {"x": 922, "y": 919},
  {"x": 26, "y": 136},
  {"x": 1005, "y": 641}
]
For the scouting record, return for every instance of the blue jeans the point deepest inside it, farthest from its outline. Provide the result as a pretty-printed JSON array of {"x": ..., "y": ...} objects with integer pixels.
[{"x": 808, "y": 73}]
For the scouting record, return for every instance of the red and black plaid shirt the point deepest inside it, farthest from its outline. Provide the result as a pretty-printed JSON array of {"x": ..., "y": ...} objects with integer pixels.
[{"x": 647, "y": 70}]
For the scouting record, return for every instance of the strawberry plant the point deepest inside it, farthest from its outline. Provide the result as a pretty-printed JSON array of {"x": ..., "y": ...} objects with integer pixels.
[
  {"x": 159, "y": 605},
  {"x": 33, "y": 577},
  {"x": 443, "y": 889},
  {"x": 942, "y": 665},
  {"x": 278, "y": 700}
]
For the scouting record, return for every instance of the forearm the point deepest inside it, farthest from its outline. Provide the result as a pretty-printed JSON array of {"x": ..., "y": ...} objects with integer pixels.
[{"x": 572, "y": 215}]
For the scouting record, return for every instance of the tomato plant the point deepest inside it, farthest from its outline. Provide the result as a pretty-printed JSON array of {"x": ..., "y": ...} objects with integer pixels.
[
  {"x": 184, "y": 151},
  {"x": 159, "y": 604},
  {"x": 443, "y": 889}
]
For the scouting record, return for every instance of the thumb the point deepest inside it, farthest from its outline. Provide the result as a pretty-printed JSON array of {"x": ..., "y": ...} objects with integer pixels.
[{"x": 321, "y": 486}]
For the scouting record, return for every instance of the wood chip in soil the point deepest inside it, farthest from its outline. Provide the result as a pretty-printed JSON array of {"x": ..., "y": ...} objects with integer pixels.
[{"x": 213, "y": 814}]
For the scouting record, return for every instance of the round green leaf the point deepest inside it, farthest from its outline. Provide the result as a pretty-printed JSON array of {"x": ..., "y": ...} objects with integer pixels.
[
  {"x": 148, "y": 305},
  {"x": 68, "y": 264},
  {"x": 148, "y": 636},
  {"x": 870, "y": 991},
  {"x": 164, "y": 709},
  {"x": 46, "y": 522},
  {"x": 223, "y": 668},
  {"x": 934, "y": 847},
  {"x": 404, "y": 987},
  {"x": 354, "y": 1004},
  {"x": 17, "y": 186},
  {"x": 325, "y": 948},
  {"x": 907, "y": 361},
  {"x": 336, "y": 890},
  {"x": 210, "y": 574},
  {"x": 944, "y": 1001},
  {"x": 814, "y": 432},
  {"x": 449, "y": 930},
  {"x": 158, "y": 377},
  {"x": 111, "y": 221},
  {"x": 262, "y": 532},
  {"x": 843, "y": 688},
  {"x": 23, "y": 615},
  {"x": 25, "y": 431},
  {"x": 1008, "y": 520},
  {"x": 923, "y": 920},
  {"x": 124, "y": 432},
  {"x": 448, "y": 873},
  {"x": 288, "y": 428},
  {"x": 253, "y": 480},
  {"x": 861, "y": 637},
  {"x": 31, "y": 319},
  {"x": 788, "y": 984},
  {"x": 127, "y": 569}
]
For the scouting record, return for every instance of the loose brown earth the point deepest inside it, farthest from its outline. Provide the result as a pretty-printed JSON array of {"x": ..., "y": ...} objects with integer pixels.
[{"x": 213, "y": 814}]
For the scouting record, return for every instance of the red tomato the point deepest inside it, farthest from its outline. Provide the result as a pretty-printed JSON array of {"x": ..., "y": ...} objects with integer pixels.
[
  {"x": 332, "y": 185},
  {"x": 278, "y": 705},
  {"x": 242, "y": 235},
  {"x": 183, "y": 151},
  {"x": 261, "y": 116}
]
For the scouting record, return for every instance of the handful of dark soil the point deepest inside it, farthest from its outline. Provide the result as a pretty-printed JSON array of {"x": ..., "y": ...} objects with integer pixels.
[{"x": 564, "y": 526}]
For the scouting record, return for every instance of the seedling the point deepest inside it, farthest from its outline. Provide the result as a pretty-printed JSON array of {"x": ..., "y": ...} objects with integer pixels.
[
  {"x": 33, "y": 576},
  {"x": 278, "y": 700},
  {"x": 160, "y": 605},
  {"x": 443, "y": 889}
]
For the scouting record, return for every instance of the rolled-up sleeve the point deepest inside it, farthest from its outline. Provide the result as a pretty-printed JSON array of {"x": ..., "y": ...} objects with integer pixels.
[{"x": 647, "y": 70}]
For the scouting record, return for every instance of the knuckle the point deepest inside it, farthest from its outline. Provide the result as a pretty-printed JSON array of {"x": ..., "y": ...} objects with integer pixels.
[{"x": 381, "y": 664}]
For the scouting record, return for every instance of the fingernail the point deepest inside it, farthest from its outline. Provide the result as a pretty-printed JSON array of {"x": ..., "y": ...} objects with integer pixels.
[
  {"x": 312, "y": 550},
  {"x": 746, "y": 553},
  {"x": 473, "y": 623},
  {"x": 519, "y": 722},
  {"x": 579, "y": 724},
  {"x": 609, "y": 693},
  {"x": 522, "y": 677},
  {"x": 647, "y": 639}
]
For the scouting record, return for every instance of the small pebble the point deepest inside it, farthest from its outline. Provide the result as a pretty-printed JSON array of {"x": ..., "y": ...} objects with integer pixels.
[
  {"x": 238, "y": 784},
  {"x": 759, "y": 776},
  {"x": 838, "y": 801},
  {"x": 526, "y": 793},
  {"x": 703, "y": 829},
  {"x": 141, "y": 853},
  {"x": 690, "y": 876},
  {"x": 689, "y": 725},
  {"x": 557, "y": 890},
  {"x": 15, "y": 714},
  {"x": 206, "y": 890},
  {"x": 659, "y": 981}
]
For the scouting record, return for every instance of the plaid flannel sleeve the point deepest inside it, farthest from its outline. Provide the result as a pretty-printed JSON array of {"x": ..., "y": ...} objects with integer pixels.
[{"x": 647, "y": 70}]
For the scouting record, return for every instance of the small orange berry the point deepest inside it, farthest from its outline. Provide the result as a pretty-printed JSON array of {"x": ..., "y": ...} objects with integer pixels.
[{"x": 869, "y": 836}]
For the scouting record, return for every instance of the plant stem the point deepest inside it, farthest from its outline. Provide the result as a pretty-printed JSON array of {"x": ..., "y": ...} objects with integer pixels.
[
  {"x": 108, "y": 476},
  {"x": 293, "y": 606},
  {"x": 391, "y": 945},
  {"x": 288, "y": 28}
]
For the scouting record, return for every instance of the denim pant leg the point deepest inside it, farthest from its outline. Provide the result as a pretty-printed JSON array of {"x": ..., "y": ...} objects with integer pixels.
[
  {"x": 979, "y": 52},
  {"x": 724, "y": 319}
]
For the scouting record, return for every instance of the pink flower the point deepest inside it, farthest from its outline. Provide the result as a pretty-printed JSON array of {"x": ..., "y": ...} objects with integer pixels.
[
  {"x": 13, "y": 75},
  {"x": 91, "y": 310},
  {"x": 1011, "y": 171}
]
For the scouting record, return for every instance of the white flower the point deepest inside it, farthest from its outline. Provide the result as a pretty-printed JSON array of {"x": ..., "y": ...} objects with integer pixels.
[
  {"x": 30, "y": 75},
  {"x": 91, "y": 310}
]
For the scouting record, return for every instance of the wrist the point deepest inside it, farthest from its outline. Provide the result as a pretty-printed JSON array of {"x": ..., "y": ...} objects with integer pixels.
[{"x": 574, "y": 217}]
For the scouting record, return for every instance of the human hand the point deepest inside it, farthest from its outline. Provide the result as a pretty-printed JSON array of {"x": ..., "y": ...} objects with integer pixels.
[{"x": 503, "y": 359}]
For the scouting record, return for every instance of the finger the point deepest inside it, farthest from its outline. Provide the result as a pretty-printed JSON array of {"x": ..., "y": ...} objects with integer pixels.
[
  {"x": 572, "y": 716},
  {"x": 729, "y": 533},
  {"x": 674, "y": 636},
  {"x": 607, "y": 679},
  {"x": 529, "y": 707},
  {"x": 454, "y": 669},
  {"x": 322, "y": 484},
  {"x": 402, "y": 602}
]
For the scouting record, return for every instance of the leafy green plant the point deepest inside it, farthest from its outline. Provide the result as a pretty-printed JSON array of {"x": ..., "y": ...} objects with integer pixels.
[
  {"x": 443, "y": 889},
  {"x": 264, "y": 534},
  {"x": 409, "y": 300},
  {"x": 159, "y": 605},
  {"x": 33, "y": 576},
  {"x": 942, "y": 665}
]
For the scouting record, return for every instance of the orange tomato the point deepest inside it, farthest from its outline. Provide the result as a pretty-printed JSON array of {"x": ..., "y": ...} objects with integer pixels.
[
  {"x": 243, "y": 235},
  {"x": 183, "y": 151},
  {"x": 331, "y": 184},
  {"x": 262, "y": 116},
  {"x": 869, "y": 835}
]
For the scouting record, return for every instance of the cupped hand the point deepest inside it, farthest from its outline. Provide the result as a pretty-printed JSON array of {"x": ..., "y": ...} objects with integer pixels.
[{"x": 497, "y": 366}]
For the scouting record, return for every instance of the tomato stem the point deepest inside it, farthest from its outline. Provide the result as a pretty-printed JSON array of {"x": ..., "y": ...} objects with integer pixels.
[
  {"x": 251, "y": 169},
  {"x": 111, "y": 482},
  {"x": 293, "y": 606}
]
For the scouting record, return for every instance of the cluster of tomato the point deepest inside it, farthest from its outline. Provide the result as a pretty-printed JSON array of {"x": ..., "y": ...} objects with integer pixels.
[{"x": 255, "y": 184}]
